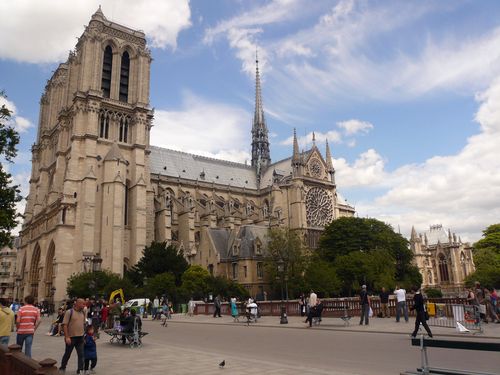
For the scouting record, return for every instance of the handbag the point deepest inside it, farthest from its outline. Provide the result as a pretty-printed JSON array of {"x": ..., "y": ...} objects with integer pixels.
[
  {"x": 426, "y": 315},
  {"x": 370, "y": 312}
]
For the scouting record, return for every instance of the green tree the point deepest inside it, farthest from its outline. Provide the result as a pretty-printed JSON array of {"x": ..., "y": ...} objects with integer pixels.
[
  {"x": 195, "y": 282},
  {"x": 98, "y": 284},
  {"x": 367, "y": 251},
  {"x": 161, "y": 284},
  {"x": 486, "y": 254},
  {"x": 158, "y": 258},
  {"x": 321, "y": 277},
  {"x": 286, "y": 246},
  {"x": 227, "y": 288},
  {"x": 9, "y": 193}
]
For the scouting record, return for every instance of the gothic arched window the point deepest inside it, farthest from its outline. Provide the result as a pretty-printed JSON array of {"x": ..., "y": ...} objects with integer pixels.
[
  {"x": 107, "y": 66},
  {"x": 124, "y": 74},
  {"x": 443, "y": 268},
  {"x": 123, "y": 134},
  {"x": 104, "y": 125}
]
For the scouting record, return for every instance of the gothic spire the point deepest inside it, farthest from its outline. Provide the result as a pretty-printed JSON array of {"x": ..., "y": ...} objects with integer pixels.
[
  {"x": 413, "y": 234},
  {"x": 296, "y": 153},
  {"x": 260, "y": 143},
  {"x": 329, "y": 163}
]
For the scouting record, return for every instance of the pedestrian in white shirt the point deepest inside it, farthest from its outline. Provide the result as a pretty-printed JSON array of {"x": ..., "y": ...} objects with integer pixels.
[{"x": 401, "y": 306}]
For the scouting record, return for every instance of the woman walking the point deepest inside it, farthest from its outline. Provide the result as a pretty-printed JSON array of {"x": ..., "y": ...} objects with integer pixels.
[{"x": 419, "y": 307}]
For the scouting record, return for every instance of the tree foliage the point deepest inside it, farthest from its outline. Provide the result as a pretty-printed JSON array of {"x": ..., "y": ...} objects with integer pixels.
[
  {"x": 162, "y": 284},
  {"x": 321, "y": 277},
  {"x": 220, "y": 285},
  {"x": 195, "y": 282},
  {"x": 98, "y": 284},
  {"x": 487, "y": 259},
  {"x": 286, "y": 246},
  {"x": 367, "y": 251},
  {"x": 9, "y": 193},
  {"x": 158, "y": 258}
]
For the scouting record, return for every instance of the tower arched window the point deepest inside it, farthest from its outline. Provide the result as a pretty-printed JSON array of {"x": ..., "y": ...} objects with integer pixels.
[
  {"x": 123, "y": 134},
  {"x": 104, "y": 125},
  {"x": 107, "y": 66},
  {"x": 124, "y": 75}
]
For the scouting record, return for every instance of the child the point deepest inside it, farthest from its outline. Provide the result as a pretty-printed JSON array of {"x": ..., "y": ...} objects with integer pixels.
[{"x": 90, "y": 351}]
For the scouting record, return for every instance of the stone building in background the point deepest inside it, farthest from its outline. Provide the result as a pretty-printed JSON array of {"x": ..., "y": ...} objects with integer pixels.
[
  {"x": 99, "y": 193},
  {"x": 442, "y": 258}
]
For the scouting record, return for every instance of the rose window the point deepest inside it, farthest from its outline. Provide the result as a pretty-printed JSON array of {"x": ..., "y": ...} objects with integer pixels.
[{"x": 319, "y": 208}]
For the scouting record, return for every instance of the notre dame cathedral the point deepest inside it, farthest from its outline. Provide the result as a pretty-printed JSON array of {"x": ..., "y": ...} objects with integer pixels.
[{"x": 99, "y": 192}]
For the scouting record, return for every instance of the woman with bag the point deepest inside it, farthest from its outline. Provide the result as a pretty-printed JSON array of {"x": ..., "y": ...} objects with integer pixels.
[{"x": 419, "y": 307}]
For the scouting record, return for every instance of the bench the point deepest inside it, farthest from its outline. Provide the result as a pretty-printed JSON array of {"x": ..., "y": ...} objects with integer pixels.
[
  {"x": 425, "y": 343},
  {"x": 134, "y": 338}
]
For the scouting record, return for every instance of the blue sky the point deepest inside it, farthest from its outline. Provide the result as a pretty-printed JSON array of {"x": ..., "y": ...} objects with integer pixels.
[{"x": 406, "y": 92}]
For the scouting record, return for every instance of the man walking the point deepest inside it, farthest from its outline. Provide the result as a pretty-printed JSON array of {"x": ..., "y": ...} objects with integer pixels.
[
  {"x": 365, "y": 305},
  {"x": 73, "y": 327},
  {"x": 6, "y": 322},
  {"x": 401, "y": 304},
  {"x": 27, "y": 321},
  {"x": 384, "y": 303},
  {"x": 156, "y": 305},
  {"x": 217, "y": 304}
]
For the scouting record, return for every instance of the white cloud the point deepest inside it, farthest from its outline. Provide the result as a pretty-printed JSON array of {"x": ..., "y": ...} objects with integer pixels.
[
  {"x": 20, "y": 124},
  {"x": 53, "y": 25},
  {"x": 354, "y": 126},
  {"x": 204, "y": 128},
  {"x": 459, "y": 191},
  {"x": 366, "y": 171}
]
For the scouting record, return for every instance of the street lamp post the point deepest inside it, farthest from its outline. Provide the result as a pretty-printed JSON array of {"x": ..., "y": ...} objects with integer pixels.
[
  {"x": 52, "y": 305},
  {"x": 281, "y": 271}
]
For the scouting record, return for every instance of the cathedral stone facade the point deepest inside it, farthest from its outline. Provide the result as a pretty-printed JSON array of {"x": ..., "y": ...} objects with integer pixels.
[
  {"x": 99, "y": 193},
  {"x": 442, "y": 258}
]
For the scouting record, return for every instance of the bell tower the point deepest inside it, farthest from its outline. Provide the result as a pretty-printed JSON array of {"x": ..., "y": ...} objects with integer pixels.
[{"x": 90, "y": 178}]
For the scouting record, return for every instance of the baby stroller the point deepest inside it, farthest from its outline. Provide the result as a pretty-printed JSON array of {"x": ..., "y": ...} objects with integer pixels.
[
  {"x": 252, "y": 313},
  {"x": 316, "y": 312}
]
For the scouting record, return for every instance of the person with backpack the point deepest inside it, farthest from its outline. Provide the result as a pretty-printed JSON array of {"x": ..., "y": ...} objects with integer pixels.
[{"x": 74, "y": 328}]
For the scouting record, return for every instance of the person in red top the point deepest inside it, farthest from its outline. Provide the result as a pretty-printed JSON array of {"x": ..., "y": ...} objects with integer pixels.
[
  {"x": 27, "y": 321},
  {"x": 104, "y": 315}
]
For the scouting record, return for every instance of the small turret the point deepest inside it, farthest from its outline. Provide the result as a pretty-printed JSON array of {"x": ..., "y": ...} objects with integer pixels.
[
  {"x": 329, "y": 163},
  {"x": 413, "y": 236}
]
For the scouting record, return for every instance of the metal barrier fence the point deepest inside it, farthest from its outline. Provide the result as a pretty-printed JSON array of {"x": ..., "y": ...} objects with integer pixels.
[{"x": 447, "y": 315}]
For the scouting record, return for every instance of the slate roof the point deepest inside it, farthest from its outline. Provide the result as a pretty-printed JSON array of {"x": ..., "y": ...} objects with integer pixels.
[
  {"x": 224, "y": 239},
  {"x": 173, "y": 163}
]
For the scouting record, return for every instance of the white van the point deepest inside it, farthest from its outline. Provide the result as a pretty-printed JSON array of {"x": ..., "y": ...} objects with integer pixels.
[{"x": 137, "y": 302}]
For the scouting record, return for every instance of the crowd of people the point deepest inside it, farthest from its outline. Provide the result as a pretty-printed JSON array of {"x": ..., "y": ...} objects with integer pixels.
[{"x": 486, "y": 303}]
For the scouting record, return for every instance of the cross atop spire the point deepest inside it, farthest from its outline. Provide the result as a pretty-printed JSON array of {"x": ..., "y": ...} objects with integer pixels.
[{"x": 260, "y": 143}]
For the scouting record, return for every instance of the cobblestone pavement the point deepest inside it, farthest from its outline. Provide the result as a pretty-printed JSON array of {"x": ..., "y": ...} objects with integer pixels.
[{"x": 160, "y": 353}]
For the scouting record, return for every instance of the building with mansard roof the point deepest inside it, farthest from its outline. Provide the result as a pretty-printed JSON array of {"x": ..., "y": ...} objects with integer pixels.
[
  {"x": 99, "y": 192},
  {"x": 442, "y": 258}
]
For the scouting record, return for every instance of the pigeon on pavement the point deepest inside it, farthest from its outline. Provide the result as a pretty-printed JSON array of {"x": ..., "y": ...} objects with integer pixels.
[{"x": 222, "y": 364}]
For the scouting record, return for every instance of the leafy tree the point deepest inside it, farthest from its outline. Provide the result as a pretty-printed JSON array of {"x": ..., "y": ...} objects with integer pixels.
[
  {"x": 486, "y": 253},
  {"x": 195, "y": 282},
  {"x": 433, "y": 293},
  {"x": 9, "y": 193},
  {"x": 98, "y": 284},
  {"x": 367, "y": 251},
  {"x": 227, "y": 288},
  {"x": 286, "y": 246},
  {"x": 158, "y": 258},
  {"x": 161, "y": 284},
  {"x": 321, "y": 277}
]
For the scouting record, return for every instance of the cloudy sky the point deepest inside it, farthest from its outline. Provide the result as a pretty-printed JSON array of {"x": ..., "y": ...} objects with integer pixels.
[{"x": 406, "y": 92}]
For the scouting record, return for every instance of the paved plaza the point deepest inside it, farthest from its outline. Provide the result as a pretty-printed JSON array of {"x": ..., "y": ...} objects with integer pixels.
[{"x": 194, "y": 345}]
